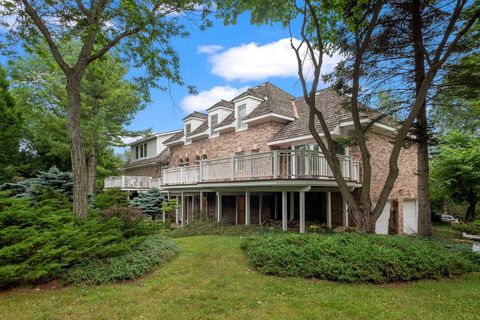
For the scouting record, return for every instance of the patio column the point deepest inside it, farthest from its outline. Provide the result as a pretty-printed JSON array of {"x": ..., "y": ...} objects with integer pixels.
[
  {"x": 284, "y": 211},
  {"x": 193, "y": 208},
  {"x": 329, "y": 209},
  {"x": 219, "y": 206},
  {"x": 201, "y": 202},
  {"x": 292, "y": 205},
  {"x": 163, "y": 212},
  {"x": 236, "y": 209},
  {"x": 260, "y": 206},
  {"x": 177, "y": 212},
  {"x": 302, "y": 211},
  {"x": 247, "y": 207},
  {"x": 183, "y": 208},
  {"x": 345, "y": 213}
]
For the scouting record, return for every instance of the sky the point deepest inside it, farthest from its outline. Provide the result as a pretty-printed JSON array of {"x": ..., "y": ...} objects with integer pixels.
[{"x": 221, "y": 62}]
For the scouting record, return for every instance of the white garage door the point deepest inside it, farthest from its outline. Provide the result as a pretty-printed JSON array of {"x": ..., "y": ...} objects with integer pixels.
[
  {"x": 381, "y": 226},
  {"x": 410, "y": 219}
]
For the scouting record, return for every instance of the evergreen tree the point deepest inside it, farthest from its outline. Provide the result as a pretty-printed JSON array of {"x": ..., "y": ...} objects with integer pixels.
[
  {"x": 10, "y": 131},
  {"x": 149, "y": 202}
]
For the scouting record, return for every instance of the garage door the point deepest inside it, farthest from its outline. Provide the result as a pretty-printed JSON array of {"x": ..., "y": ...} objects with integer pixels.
[
  {"x": 381, "y": 226},
  {"x": 410, "y": 219}
]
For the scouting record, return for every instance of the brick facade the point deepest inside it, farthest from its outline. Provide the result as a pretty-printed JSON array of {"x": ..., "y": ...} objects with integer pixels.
[{"x": 226, "y": 144}]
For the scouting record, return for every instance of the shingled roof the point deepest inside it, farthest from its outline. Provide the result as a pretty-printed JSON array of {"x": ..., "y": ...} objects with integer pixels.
[
  {"x": 176, "y": 137},
  {"x": 162, "y": 157},
  {"x": 275, "y": 101},
  {"x": 196, "y": 114},
  {"x": 222, "y": 103}
]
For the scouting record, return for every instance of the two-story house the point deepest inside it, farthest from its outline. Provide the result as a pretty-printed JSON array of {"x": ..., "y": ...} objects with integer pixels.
[{"x": 252, "y": 160}]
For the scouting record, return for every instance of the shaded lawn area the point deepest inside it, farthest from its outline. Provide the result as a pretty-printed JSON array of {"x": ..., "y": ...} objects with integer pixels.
[{"x": 211, "y": 280}]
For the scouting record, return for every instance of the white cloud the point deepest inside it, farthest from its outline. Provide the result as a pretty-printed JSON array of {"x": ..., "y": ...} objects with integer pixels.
[
  {"x": 254, "y": 62},
  {"x": 205, "y": 99},
  {"x": 209, "y": 49}
]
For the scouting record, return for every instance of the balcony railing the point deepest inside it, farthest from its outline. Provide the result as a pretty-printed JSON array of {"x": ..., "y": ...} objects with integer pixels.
[
  {"x": 132, "y": 182},
  {"x": 288, "y": 164}
]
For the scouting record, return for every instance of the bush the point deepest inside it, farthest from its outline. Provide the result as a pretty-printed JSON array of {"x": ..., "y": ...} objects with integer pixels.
[
  {"x": 150, "y": 202},
  {"x": 470, "y": 228},
  {"x": 152, "y": 252},
  {"x": 133, "y": 220},
  {"x": 40, "y": 239},
  {"x": 111, "y": 198},
  {"x": 209, "y": 227},
  {"x": 353, "y": 257}
]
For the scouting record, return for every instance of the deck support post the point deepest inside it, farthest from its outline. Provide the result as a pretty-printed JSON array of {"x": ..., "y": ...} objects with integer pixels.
[
  {"x": 247, "y": 207},
  {"x": 219, "y": 206},
  {"x": 236, "y": 209},
  {"x": 292, "y": 205},
  {"x": 260, "y": 206},
  {"x": 345, "y": 213},
  {"x": 183, "y": 209},
  {"x": 177, "y": 212},
  {"x": 284, "y": 211},
  {"x": 302, "y": 211},
  {"x": 201, "y": 203},
  {"x": 329, "y": 209}
]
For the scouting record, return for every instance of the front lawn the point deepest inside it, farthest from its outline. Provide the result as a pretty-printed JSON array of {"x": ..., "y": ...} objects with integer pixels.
[{"x": 211, "y": 280}]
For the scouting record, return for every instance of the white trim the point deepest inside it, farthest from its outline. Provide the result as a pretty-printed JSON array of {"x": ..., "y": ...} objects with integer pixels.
[
  {"x": 307, "y": 137},
  {"x": 210, "y": 110},
  {"x": 228, "y": 126},
  {"x": 246, "y": 97},
  {"x": 155, "y": 135},
  {"x": 381, "y": 125},
  {"x": 173, "y": 143},
  {"x": 198, "y": 135},
  {"x": 270, "y": 115}
]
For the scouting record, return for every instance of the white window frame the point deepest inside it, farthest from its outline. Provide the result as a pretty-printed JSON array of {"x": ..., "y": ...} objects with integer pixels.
[
  {"x": 211, "y": 131},
  {"x": 240, "y": 124}
]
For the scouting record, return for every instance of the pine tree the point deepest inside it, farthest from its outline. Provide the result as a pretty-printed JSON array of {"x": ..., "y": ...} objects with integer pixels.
[{"x": 149, "y": 202}]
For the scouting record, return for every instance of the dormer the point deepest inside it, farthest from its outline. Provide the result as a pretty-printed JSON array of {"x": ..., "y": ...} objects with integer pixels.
[
  {"x": 243, "y": 105},
  {"x": 216, "y": 114},
  {"x": 191, "y": 123}
]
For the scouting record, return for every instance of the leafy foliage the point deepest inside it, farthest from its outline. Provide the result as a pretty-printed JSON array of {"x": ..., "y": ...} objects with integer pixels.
[
  {"x": 39, "y": 240},
  {"x": 111, "y": 198},
  {"x": 455, "y": 169},
  {"x": 150, "y": 202},
  {"x": 53, "y": 179},
  {"x": 470, "y": 228},
  {"x": 152, "y": 252},
  {"x": 353, "y": 257}
]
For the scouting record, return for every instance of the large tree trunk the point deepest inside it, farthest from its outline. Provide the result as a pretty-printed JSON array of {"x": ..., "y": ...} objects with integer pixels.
[
  {"x": 79, "y": 167},
  {"x": 470, "y": 215},
  {"x": 92, "y": 171},
  {"x": 424, "y": 212},
  {"x": 363, "y": 218}
]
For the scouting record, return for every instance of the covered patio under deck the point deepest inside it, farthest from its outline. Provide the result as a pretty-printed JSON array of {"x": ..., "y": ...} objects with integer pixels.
[{"x": 293, "y": 208}]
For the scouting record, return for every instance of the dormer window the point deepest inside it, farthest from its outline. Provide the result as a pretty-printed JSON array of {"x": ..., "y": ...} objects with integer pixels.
[
  {"x": 241, "y": 113},
  {"x": 213, "y": 123},
  {"x": 141, "y": 151}
]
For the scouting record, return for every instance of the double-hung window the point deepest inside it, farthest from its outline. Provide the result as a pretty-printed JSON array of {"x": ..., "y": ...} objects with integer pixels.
[
  {"x": 213, "y": 123},
  {"x": 241, "y": 113},
  {"x": 141, "y": 151}
]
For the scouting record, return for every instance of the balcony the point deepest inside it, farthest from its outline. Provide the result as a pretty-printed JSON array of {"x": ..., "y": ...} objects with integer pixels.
[
  {"x": 284, "y": 165},
  {"x": 132, "y": 182}
]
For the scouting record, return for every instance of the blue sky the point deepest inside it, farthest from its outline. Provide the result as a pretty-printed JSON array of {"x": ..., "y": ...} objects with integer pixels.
[{"x": 220, "y": 62}]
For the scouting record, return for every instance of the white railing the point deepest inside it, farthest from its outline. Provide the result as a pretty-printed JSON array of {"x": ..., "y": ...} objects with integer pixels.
[
  {"x": 132, "y": 182},
  {"x": 285, "y": 164}
]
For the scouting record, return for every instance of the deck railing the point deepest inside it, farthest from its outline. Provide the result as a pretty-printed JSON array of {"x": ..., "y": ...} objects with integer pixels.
[
  {"x": 285, "y": 164},
  {"x": 132, "y": 182}
]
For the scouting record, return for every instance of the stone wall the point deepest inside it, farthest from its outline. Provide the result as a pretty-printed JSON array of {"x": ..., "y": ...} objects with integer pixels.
[{"x": 227, "y": 144}]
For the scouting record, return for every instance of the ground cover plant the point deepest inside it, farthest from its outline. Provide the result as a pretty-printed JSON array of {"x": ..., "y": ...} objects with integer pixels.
[
  {"x": 40, "y": 238},
  {"x": 209, "y": 227},
  {"x": 354, "y": 257},
  {"x": 111, "y": 198}
]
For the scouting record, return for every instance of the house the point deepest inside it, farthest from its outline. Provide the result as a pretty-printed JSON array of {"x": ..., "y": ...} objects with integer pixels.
[{"x": 252, "y": 160}]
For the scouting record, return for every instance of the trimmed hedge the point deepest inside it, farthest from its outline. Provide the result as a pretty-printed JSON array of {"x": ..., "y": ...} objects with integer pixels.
[
  {"x": 153, "y": 252},
  {"x": 354, "y": 257}
]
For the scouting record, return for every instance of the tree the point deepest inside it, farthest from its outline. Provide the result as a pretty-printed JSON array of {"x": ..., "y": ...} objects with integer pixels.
[
  {"x": 109, "y": 103},
  {"x": 10, "y": 130},
  {"x": 150, "y": 202},
  {"x": 455, "y": 169},
  {"x": 326, "y": 26},
  {"x": 139, "y": 30}
]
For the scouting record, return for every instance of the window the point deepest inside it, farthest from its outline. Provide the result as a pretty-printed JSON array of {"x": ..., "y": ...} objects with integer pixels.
[
  {"x": 213, "y": 123},
  {"x": 241, "y": 113},
  {"x": 180, "y": 162},
  {"x": 141, "y": 151},
  {"x": 339, "y": 149},
  {"x": 188, "y": 128},
  {"x": 239, "y": 161},
  {"x": 204, "y": 157},
  {"x": 197, "y": 160}
]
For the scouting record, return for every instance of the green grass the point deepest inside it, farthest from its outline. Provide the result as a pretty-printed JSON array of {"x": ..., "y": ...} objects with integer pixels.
[{"x": 211, "y": 280}]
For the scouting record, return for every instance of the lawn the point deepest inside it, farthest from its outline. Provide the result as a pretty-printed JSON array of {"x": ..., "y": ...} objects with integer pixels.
[{"x": 210, "y": 280}]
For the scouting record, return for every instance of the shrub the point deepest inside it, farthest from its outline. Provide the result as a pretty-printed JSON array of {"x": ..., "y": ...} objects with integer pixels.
[
  {"x": 353, "y": 257},
  {"x": 111, "y": 198},
  {"x": 471, "y": 228},
  {"x": 132, "y": 220},
  {"x": 40, "y": 239},
  {"x": 152, "y": 252},
  {"x": 209, "y": 227}
]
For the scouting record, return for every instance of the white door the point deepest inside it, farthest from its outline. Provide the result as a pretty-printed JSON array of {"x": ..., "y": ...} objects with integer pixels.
[
  {"x": 381, "y": 226},
  {"x": 410, "y": 219}
]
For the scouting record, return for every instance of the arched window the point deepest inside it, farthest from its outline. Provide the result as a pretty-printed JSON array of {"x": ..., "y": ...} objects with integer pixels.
[
  {"x": 197, "y": 160},
  {"x": 204, "y": 157},
  {"x": 180, "y": 163},
  {"x": 186, "y": 162}
]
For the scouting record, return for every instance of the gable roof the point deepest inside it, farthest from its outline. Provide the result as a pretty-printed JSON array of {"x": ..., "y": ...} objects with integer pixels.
[
  {"x": 222, "y": 103},
  {"x": 196, "y": 114},
  {"x": 275, "y": 101},
  {"x": 176, "y": 137}
]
